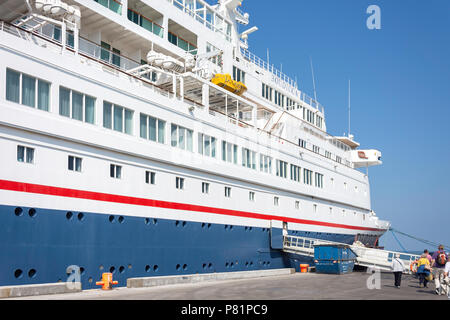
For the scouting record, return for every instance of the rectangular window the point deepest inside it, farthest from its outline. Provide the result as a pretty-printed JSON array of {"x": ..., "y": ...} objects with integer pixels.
[
  {"x": 265, "y": 163},
  {"x": 74, "y": 164},
  {"x": 179, "y": 183},
  {"x": 276, "y": 201},
  {"x": 297, "y": 205},
  {"x": 27, "y": 90},
  {"x": 206, "y": 145},
  {"x": 205, "y": 188},
  {"x": 295, "y": 173},
  {"x": 150, "y": 177},
  {"x": 227, "y": 192},
  {"x": 76, "y": 105},
  {"x": 181, "y": 137},
  {"x": 251, "y": 196},
  {"x": 117, "y": 118},
  {"x": 115, "y": 171},
  {"x": 307, "y": 176},
  {"x": 25, "y": 154},
  {"x": 248, "y": 158},
  {"x": 229, "y": 152},
  {"x": 318, "y": 180},
  {"x": 152, "y": 129},
  {"x": 281, "y": 169},
  {"x": 316, "y": 149},
  {"x": 238, "y": 75}
]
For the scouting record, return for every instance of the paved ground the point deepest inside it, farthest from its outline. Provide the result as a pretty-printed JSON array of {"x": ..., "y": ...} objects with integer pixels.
[{"x": 298, "y": 286}]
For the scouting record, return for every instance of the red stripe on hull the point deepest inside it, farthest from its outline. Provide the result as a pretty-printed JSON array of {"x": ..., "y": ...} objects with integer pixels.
[{"x": 89, "y": 195}]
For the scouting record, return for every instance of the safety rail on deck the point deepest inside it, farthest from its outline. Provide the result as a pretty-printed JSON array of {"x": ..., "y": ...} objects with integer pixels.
[
  {"x": 205, "y": 11},
  {"x": 366, "y": 257},
  {"x": 249, "y": 56},
  {"x": 86, "y": 49}
]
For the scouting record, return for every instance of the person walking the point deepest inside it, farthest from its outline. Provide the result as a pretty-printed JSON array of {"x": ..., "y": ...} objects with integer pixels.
[
  {"x": 447, "y": 277},
  {"x": 397, "y": 267},
  {"x": 438, "y": 265},
  {"x": 423, "y": 270}
]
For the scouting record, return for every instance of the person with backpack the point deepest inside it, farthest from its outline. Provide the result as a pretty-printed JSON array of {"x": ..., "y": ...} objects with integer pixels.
[
  {"x": 423, "y": 270},
  {"x": 438, "y": 265}
]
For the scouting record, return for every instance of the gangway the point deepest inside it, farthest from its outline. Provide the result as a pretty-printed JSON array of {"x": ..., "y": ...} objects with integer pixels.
[{"x": 366, "y": 257}]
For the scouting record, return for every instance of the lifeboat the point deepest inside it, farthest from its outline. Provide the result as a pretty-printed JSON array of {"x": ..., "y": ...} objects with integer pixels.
[{"x": 225, "y": 81}]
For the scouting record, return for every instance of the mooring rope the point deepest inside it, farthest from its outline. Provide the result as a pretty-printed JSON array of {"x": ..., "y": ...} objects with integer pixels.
[{"x": 431, "y": 243}]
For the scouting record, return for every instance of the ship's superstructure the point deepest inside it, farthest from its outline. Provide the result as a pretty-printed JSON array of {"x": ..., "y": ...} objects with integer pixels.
[{"x": 120, "y": 154}]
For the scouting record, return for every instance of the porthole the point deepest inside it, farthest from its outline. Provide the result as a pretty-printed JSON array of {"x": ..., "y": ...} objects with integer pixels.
[
  {"x": 111, "y": 219},
  {"x": 32, "y": 273},
  {"x": 32, "y": 213},
  {"x": 81, "y": 216},
  {"x": 18, "y": 211},
  {"x": 18, "y": 273},
  {"x": 121, "y": 269},
  {"x": 121, "y": 219},
  {"x": 69, "y": 215}
]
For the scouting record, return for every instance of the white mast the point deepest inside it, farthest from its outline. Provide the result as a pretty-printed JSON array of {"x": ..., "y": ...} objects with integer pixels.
[{"x": 314, "y": 81}]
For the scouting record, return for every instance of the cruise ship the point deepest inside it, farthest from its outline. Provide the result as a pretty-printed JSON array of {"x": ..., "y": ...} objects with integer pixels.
[{"x": 143, "y": 138}]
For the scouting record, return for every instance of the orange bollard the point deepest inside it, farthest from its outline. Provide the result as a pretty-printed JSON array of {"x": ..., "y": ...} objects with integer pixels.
[
  {"x": 107, "y": 281},
  {"x": 304, "y": 268}
]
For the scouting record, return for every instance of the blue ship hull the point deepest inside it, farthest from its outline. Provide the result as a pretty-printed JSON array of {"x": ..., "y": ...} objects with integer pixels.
[{"x": 37, "y": 246}]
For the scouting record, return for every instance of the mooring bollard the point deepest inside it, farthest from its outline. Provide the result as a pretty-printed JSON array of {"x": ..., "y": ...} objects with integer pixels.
[{"x": 107, "y": 281}]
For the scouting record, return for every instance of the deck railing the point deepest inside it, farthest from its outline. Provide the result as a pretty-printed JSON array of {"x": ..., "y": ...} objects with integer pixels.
[
  {"x": 202, "y": 13},
  {"x": 282, "y": 77}
]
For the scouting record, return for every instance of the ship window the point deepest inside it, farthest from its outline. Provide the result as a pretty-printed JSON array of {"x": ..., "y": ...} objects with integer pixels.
[
  {"x": 227, "y": 192},
  {"x": 238, "y": 74},
  {"x": 152, "y": 128},
  {"x": 229, "y": 152},
  {"x": 248, "y": 158},
  {"x": 74, "y": 164},
  {"x": 265, "y": 163},
  {"x": 150, "y": 177},
  {"x": 117, "y": 118},
  {"x": 181, "y": 137},
  {"x": 295, "y": 173},
  {"x": 179, "y": 183},
  {"x": 76, "y": 105},
  {"x": 25, "y": 154},
  {"x": 307, "y": 176},
  {"x": 297, "y": 205},
  {"x": 281, "y": 169},
  {"x": 206, "y": 145},
  {"x": 115, "y": 171},
  {"x": 319, "y": 180},
  {"x": 27, "y": 90},
  {"x": 276, "y": 201},
  {"x": 106, "y": 55},
  {"x": 302, "y": 143},
  {"x": 205, "y": 188},
  {"x": 251, "y": 196}
]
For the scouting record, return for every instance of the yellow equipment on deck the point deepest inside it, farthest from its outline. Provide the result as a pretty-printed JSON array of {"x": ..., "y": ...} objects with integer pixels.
[{"x": 225, "y": 81}]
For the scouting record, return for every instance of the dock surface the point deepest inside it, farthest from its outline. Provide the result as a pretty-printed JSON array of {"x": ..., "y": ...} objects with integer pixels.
[{"x": 298, "y": 286}]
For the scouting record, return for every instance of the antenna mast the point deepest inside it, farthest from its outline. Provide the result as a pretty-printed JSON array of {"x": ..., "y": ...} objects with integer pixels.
[
  {"x": 314, "y": 81},
  {"x": 349, "y": 107}
]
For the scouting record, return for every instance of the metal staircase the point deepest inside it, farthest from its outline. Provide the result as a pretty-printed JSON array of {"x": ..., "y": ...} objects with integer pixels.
[{"x": 366, "y": 257}]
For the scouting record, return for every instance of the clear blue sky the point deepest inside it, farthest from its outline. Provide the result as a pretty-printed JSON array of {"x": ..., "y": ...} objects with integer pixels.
[{"x": 400, "y": 94}]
